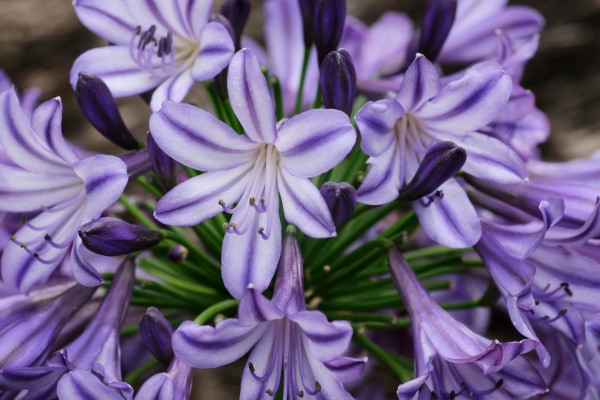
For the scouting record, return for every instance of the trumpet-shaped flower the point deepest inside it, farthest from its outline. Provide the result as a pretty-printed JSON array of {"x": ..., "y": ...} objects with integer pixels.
[
  {"x": 167, "y": 45},
  {"x": 291, "y": 345},
  {"x": 252, "y": 170},
  {"x": 396, "y": 134},
  {"x": 45, "y": 174}
]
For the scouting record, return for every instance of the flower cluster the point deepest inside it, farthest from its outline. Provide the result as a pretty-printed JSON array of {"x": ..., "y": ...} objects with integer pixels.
[{"x": 380, "y": 185}]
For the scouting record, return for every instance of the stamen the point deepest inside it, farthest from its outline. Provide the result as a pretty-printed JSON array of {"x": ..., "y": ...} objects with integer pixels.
[
  {"x": 317, "y": 386},
  {"x": 499, "y": 383},
  {"x": 434, "y": 396},
  {"x": 52, "y": 243},
  {"x": 226, "y": 208},
  {"x": 567, "y": 289},
  {"x": 452, "y": 395},
  {"x": 430, "y": 199},
  {"x": 38, "y": 257}
]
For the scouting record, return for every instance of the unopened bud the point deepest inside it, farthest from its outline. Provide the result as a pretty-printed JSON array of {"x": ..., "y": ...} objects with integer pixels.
[
  {"x": 112, "y": 237},
  {"x": 338, "y": 81},
  {"x": 177, "y": 253},
  {"x": 328, "y": 25},
  {"x": 156, "y": 331},
  {"x": 164, "y": 166},
  {"x": 340, "y": 199},
  {"x": 237, "y": 12},
  {"x": 437, "y": 21}
]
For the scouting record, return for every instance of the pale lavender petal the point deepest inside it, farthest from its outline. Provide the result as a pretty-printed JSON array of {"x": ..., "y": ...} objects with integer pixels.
[
  {"x": 29, "y": 100},
  {"x": 85, "y": 385},
  {"x": 451, "y": 220},
  {"x": 158, "y": 387},
  {"x": 46, "y": 123},
  {"x": 250, "y": 97},
  {"x": 376, "y": 122},
  {"x": 328, "y": 340},
  {"x": 175, "y": 89},
  {"x": 197, "y": 199},
  {"x": 266, "y": 360},
  {"x": 577, "y": 236},
  {"x": 83, "y": 271},
  {"x": 331, "y": 387},
  {"x": 167, "y": 16},
  {"x": 304, "y": 206},
  {"x": 105, "y": 178},
  {"x": 208, "y": 347},
  {"x": 195, "y": 138},
  {"x": 122, "y": 75},
  {"x": 421, "y": 83},
  {"x": 21, "y": 144},
  {"x": 384, "y": 178},
  {"x": 198, "y": 14},
  {"x": 468, "y": 103},
  {"x": 249, "y": 258},
  {"x": 347, "y": 369},
  {"x": 109, "y": 19},
  {"x": 314, "y": 142},
  {"x": 254, "y": 308},
  {"x": 216, "y": 49},
  {"x": 23, "y": 191},
  {"x": 489, "y": 158}
]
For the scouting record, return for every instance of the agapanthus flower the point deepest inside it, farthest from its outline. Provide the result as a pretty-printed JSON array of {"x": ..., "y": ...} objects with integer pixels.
[
  {"x": 453, "y": 361},
  {"x": 167, "y": 45},
  {"x": 291, "y": 346},
  {"x": 397, "y": 132},
  {"x": 252, "y": 170},
  {"x": 48, "y": 176}
]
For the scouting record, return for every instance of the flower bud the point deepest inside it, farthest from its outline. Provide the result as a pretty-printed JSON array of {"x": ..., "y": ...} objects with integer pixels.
[
  {"x": 328, "y": 25},
  {"x": 177, "y": 253},
  {"x": 442, "y": 161},
  {"x": 156, "y": 331},
  {"x": 308, "y": 10},
  {"x": 164, "y": 166},
  {"x": 99, "y": 107},
  {"x": 237, "y": 12},
  {"x": 112, "y": 237},
  {"x": 340, "y": 199},
  {"x": 437, "y": 22},
  {"x": 338, "y": 81}
]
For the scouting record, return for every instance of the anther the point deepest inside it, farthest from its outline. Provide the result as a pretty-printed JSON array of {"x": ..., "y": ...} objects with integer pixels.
[
  {"x": 252, "y": 200},
  {"x": 251, "y": 366},
  {"x": 23, "y": 245},
  {"x": 301, "y": 394},
  {"x": 269, "y": 392},
  {"x": 222, "y": 202},
  {"x": 452, "y": 395},
  {"x": 261, "y": 230},
  {"x": 47, "y": 237},
  {"x": 434, "y": 396},
  {"x": 317, "y": 386},
  {"x": 567, "y": 289},
  {"x": 225, "y": 225},
  {"x": 138, "y": 29},
  {"x": 562, "y": 312},
  {"x": 499, "y": 383},
  {"x": 13, "y": 238}
]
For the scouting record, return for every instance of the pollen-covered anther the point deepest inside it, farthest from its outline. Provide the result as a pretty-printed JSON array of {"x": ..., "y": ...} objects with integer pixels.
[
  {"x": 301, "y": 394},
  {"x": 251, "y": 201},
  {"x": 269, "y": 392},
  {"x": 317, "y": 386},
  {"x": 567, "y": 289},
  {"x": 251, "y": 367}
]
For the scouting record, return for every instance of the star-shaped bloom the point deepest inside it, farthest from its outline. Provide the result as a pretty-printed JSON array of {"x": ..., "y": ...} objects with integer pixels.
[
  {"x": 167, "y": 45},
  {"x": 45, "y": 175},
  {"x": 291, "y": 346},
  {"x": 253, "y": 170},
  {"x": 397, "y": 132}
]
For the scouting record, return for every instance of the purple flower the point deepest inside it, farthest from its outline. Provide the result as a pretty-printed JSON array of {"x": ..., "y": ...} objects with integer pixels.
[
  {"x": 156, "y": 331},
  {"x": 473, "y": 34},
  {"x": 28, "y": 99},
  {"x": 252, "y": 170},
  {"x": 338, "y": 81},
  {"x": 45, "y": 174},
  {"x": 450, "y": 359},
  {"x": 287, "y": 339},
  {"x": 167, "y": 45},
  {"x": 396, "y": 134}
]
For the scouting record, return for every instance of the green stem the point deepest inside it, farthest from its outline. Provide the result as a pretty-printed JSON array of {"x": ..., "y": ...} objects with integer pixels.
[
  {"x": 193, "y": 249},
  {"x": 137, "y": 373},
  {"x": 216, "y": 102},
  {"x": 213, "y": 310},
  {"x": 278, "y": 97},
  {"x": 299, "y": 95},
  {"x": 143, "y": 182},
  {"x": 384, "y": 357},
  {"x": 136, "y": 212}
]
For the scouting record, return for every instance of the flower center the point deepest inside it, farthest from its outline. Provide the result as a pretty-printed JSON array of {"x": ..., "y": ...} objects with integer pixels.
[{"x": 155, "y": 55}]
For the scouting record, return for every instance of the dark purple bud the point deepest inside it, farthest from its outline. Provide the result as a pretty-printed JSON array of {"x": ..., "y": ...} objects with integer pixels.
[
  {"x": 442, "y": 161},
  {"x": 177, "y": 253},
  {"x": 338, "y": 81},
  {"x": 328, "y": 25},
  {"x": 308, "y": 10},
  {"x": 164, "y": 166},
  {"x": 237, "y": 12},
  {"x": 112, "y": 237},
  {"x": 340, "y": 199},
  {"x": 156, "y": 331},
  {"x": 137, "y": 162},
  {"x": 99, "y": 107},
  {"x": 437, "y": 22}
]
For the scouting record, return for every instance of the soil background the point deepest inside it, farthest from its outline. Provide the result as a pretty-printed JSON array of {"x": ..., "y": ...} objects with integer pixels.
[{"x": 40, "y": 39}]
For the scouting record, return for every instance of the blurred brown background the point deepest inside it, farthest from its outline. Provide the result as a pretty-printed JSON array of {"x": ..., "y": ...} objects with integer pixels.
[{"x": 40, "y": 39}]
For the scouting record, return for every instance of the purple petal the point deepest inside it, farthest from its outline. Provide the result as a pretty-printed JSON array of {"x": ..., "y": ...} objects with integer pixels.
[
  {"x": 248, "y": 258},
  {"x": 266, "y": 360},
  {"x": 175, "y": 89},
  {"x": 46, "y": 123},
  {"x": 468, "y": 103},
  {"x": 104, "y": 177},
  {"x": 314, "y": 142},
  {"x": 346, "y": 369},
  {"x": 166, "y": 16},
  {"x": 208, "y": 347},
  {"x": 197, "y": 199},
  {"x": 254, "y": 309},
  {"x": 83, "y": 271},
  {"x": 197, "y": 139},
  {"x": 111, "y": 19},
  {"x": 328, "y": 340},
  {"x": 85, "y": 385},
  {"x": 331, "y": 386},
  {"x": 122, "y": 75},
  {"x": 376, "y": 121},
  {"x": 384, "y": 178},
  {"x": 328, "y": 25},
  {"x": 157, "y": 387},
  {"x": 288, "y": 294},
  {"x": 250, "y": 97},
  {"x": 421, "y": 83},
  {"x": 304, "y": 206},
  {"x": 21, "y": 145},
  {"x": 450, "y": 220},
  {"x": 488, "y": 158},
  {"x": 216, "y": 49},
  {"x": 577, "y": 236}
]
